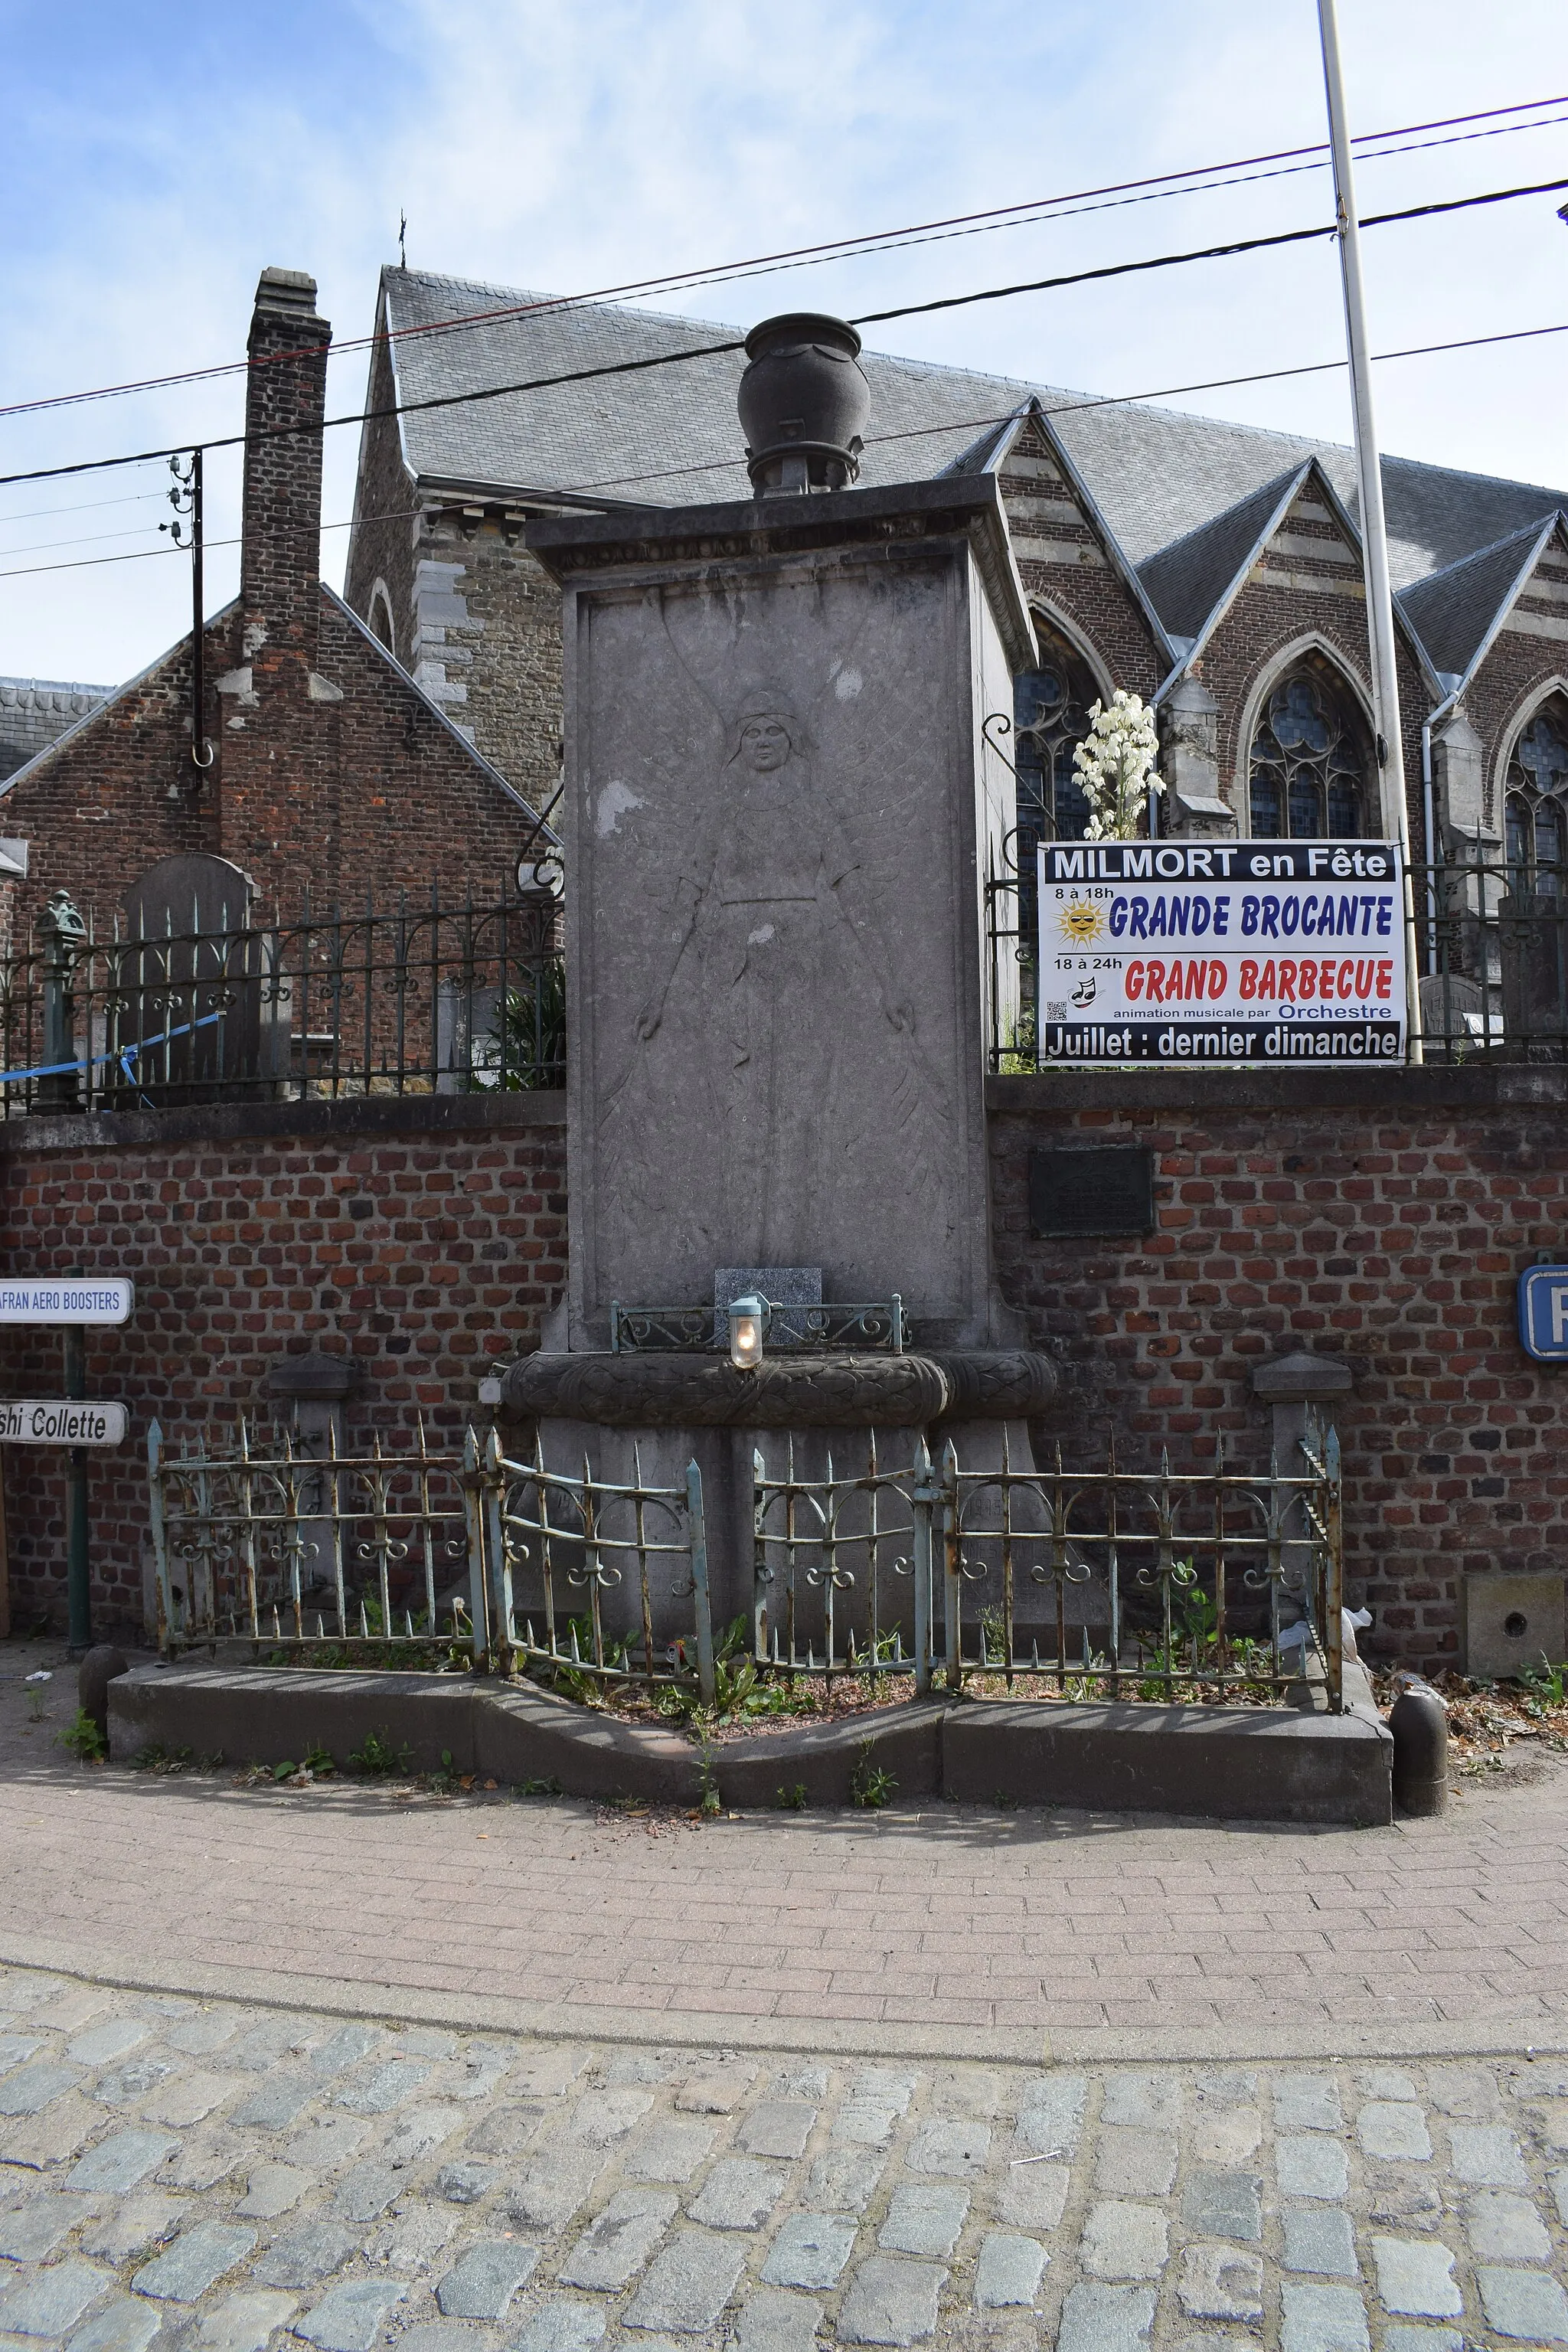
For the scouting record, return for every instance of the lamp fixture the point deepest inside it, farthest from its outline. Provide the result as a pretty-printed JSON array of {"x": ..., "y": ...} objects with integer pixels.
[{"x": 749, "y": 1320}]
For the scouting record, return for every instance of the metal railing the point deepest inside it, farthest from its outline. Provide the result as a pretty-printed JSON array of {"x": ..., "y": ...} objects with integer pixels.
[
  {"x": 1216, "y": 1585},
  {"x": 877, "y": 1325},
  {"x": 415, "y": 1553},
  {"x": 1220, "y": 1586},
  {"x": 1491, "y": 944},
  {"x": 284, "y": 1543},
  {"x": 424, "y": 1000}
]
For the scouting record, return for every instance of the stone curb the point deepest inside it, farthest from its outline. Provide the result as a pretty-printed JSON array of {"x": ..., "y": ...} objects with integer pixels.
[
  {"x": 1282, "y": 1764},
  {"x": 699, "y": 2028}
]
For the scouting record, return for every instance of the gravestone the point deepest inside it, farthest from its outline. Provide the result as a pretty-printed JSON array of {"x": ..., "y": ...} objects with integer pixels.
[{"x": 190, "y": 956}]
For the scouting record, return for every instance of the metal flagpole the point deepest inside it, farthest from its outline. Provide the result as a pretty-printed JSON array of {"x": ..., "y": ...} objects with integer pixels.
[{"x": 1375, "y": 536}]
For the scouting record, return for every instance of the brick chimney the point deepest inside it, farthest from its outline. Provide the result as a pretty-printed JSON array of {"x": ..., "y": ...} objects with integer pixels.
[{"x": 280, "y": 562}]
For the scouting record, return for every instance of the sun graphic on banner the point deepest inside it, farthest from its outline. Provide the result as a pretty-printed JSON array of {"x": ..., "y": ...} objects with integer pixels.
[{"x": 1081, "y": 922}]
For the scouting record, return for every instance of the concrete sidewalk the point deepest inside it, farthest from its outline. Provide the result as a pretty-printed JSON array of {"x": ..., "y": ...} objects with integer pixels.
[{"x": 953, "y": 1931}]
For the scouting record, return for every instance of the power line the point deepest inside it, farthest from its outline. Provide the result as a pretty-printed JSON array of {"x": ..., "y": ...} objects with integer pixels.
[
  {"x": 1076, "y": 406},
  {"x": 875, "y": 440},
  {"x": 1036, "y": 211},
  {"x": 715, "y": 350}
]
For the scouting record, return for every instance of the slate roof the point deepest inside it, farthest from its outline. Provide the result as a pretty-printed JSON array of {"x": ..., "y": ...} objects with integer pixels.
[
  {"x": 669, "y": 436},
  {"x": 1452, "y": 611},
  {"x": 1186, "y": 580}
]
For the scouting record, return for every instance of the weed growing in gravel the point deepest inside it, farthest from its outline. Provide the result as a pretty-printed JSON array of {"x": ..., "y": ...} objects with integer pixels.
[{"x": 85, "y": 1739}]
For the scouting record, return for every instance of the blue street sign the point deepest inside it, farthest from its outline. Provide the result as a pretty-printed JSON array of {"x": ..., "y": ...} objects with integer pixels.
[{"x": 1543, "y": 1313}]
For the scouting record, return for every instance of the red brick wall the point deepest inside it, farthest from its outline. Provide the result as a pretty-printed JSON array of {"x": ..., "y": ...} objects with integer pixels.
[
  {"x": 419, "y": 1239},
  {"x": 1384, "y": 1221}
]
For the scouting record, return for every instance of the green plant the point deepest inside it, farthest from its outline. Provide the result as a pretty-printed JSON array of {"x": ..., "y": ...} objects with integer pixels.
[
  {"x": 378, "y": 1758},
  {"x": 85, "y": 1739},
  {"x": 35, "y": 1705},
  {"x": 869, "y": 1784},
  {"x": 992, "y": 1638},
  {"x": 1004, "y": 1802},
  {"x": 550, "y": 1787},
  {"x": 319, "y": 1760},
  {"x": 1546, "y": 1683},
  {"x": 527, "y": 1043},
  {"x": 1194, "y": 1613},
  {"x": 156, "y": 1757},
  {"x": 791, "y": 1801}
]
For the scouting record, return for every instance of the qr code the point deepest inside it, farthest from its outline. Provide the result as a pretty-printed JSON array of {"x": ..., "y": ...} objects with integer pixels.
[{"x": 1056, "y": 1010}]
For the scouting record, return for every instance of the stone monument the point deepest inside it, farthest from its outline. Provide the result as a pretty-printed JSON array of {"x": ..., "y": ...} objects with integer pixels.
[{"x": 780, "y": 810}]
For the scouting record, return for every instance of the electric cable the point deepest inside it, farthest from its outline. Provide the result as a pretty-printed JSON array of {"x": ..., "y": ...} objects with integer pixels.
[
  {"x": 908, "y": 432},
  {"x": 715, "y": 350},
  {"x": 1039, "y": 211}
]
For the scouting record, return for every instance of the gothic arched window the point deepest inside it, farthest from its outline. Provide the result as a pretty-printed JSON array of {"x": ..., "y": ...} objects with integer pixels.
[
  {"x": 1311, "y": 761},
  {"x": 1537, "y": 809},
  {"x": 1050, "y": 718}
]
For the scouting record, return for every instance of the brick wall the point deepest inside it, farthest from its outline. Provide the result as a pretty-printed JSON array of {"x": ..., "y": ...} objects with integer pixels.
[
  {"x": 1383, "y": 1220},
  {"x": 417, "y": 1238}
]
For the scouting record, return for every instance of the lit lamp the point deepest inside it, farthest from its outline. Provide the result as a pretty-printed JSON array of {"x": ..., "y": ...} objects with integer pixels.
[{"x": 749, "y": 1320}]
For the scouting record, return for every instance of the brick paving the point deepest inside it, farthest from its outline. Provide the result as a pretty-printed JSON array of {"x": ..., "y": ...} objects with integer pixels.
[
  {"x": 188, "y": 2175},
  {"x": 950, "y": 1929}
]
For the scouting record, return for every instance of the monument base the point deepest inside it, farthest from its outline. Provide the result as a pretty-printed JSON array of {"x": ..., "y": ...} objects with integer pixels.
[{"x": 639, "y": 1420}]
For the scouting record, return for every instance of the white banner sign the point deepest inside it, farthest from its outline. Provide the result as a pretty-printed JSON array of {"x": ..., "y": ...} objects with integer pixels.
[
  {"x": 67, "y": 1299},
  {"x": 1220, "y": 951},
  {"x": 61, "y": 1421}
]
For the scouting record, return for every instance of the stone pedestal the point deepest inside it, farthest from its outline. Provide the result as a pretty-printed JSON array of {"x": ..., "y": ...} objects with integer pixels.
[{"x": 781, "y": 807}]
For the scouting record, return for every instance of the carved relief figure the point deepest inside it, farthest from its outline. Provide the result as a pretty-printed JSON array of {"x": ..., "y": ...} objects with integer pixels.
[{"x": 774, "y": 1024}]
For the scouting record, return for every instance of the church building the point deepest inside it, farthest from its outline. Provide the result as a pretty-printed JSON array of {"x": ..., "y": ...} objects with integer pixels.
[{"x": 1212, "y": 568}]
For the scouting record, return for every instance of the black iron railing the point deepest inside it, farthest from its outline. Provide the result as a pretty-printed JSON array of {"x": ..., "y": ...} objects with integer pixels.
[{"x": 425, "y": 1000}]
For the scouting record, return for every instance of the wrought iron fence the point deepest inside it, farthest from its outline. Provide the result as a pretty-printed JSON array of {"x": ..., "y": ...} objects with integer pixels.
[
  {"x": 424, "y": 1000},
  {"x": 1220, "y": 1585},
  {"x": 1492, "y": 945},
  {"x": 411, "y": 1553},
  {"x": 1223, "y": 1586},
  {"x": 278, "y": 1541}
]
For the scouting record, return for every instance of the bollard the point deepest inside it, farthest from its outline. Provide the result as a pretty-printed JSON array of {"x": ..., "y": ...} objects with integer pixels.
[
  {"x": 96, "y": 1672},
  {"x": 1420, "y": 1723}
]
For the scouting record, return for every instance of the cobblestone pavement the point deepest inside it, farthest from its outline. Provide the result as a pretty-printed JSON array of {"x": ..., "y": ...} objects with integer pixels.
[
  {"x": 218, "y": 2175},
  {"x": 954, "y": 1930}
]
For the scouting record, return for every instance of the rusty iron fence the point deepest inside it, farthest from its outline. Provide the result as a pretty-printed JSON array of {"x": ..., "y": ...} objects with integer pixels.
[
  {"x": 428, "y": 999},
  {"x": 1220, "y": 1586}
]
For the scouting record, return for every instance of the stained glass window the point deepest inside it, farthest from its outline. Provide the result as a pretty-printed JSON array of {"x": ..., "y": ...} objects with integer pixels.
[
  {"x": 1310, "y": 759},
  {"x": 1536, "y": 818},
  {"x": 1050, "y": 718}
]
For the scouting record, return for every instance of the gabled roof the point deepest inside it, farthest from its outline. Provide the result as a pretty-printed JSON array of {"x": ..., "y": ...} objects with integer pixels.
[
  {"x": 1458, "y": 611},
  {"x": 992, "y": 453},
  {"x": 117, "y": 694},
  {"x": 668, "y": 435},
  {"x": 1188, "y": 580}
]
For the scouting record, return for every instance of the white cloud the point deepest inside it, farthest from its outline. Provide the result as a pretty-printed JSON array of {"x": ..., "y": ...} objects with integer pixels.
[{"x": 568, "y": 147}]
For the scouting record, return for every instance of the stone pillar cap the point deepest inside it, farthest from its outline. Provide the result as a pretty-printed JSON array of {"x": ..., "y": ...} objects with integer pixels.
[
  {"x": 1301, "y": 1375},
  {"x": 313, "y": 1374}
]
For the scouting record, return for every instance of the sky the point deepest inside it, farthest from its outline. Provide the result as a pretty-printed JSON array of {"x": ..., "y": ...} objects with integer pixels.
[{"x": 158, "y": 157}]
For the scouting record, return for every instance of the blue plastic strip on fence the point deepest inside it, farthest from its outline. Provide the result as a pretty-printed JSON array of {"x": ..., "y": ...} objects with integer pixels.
[{"x": 123, "y": 1055}]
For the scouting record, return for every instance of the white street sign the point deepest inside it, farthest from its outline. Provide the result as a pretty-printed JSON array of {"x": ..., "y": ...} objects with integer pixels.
[
  {"x": 67, "y": 1299},
  {"x": 60, "y": 1421}
]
